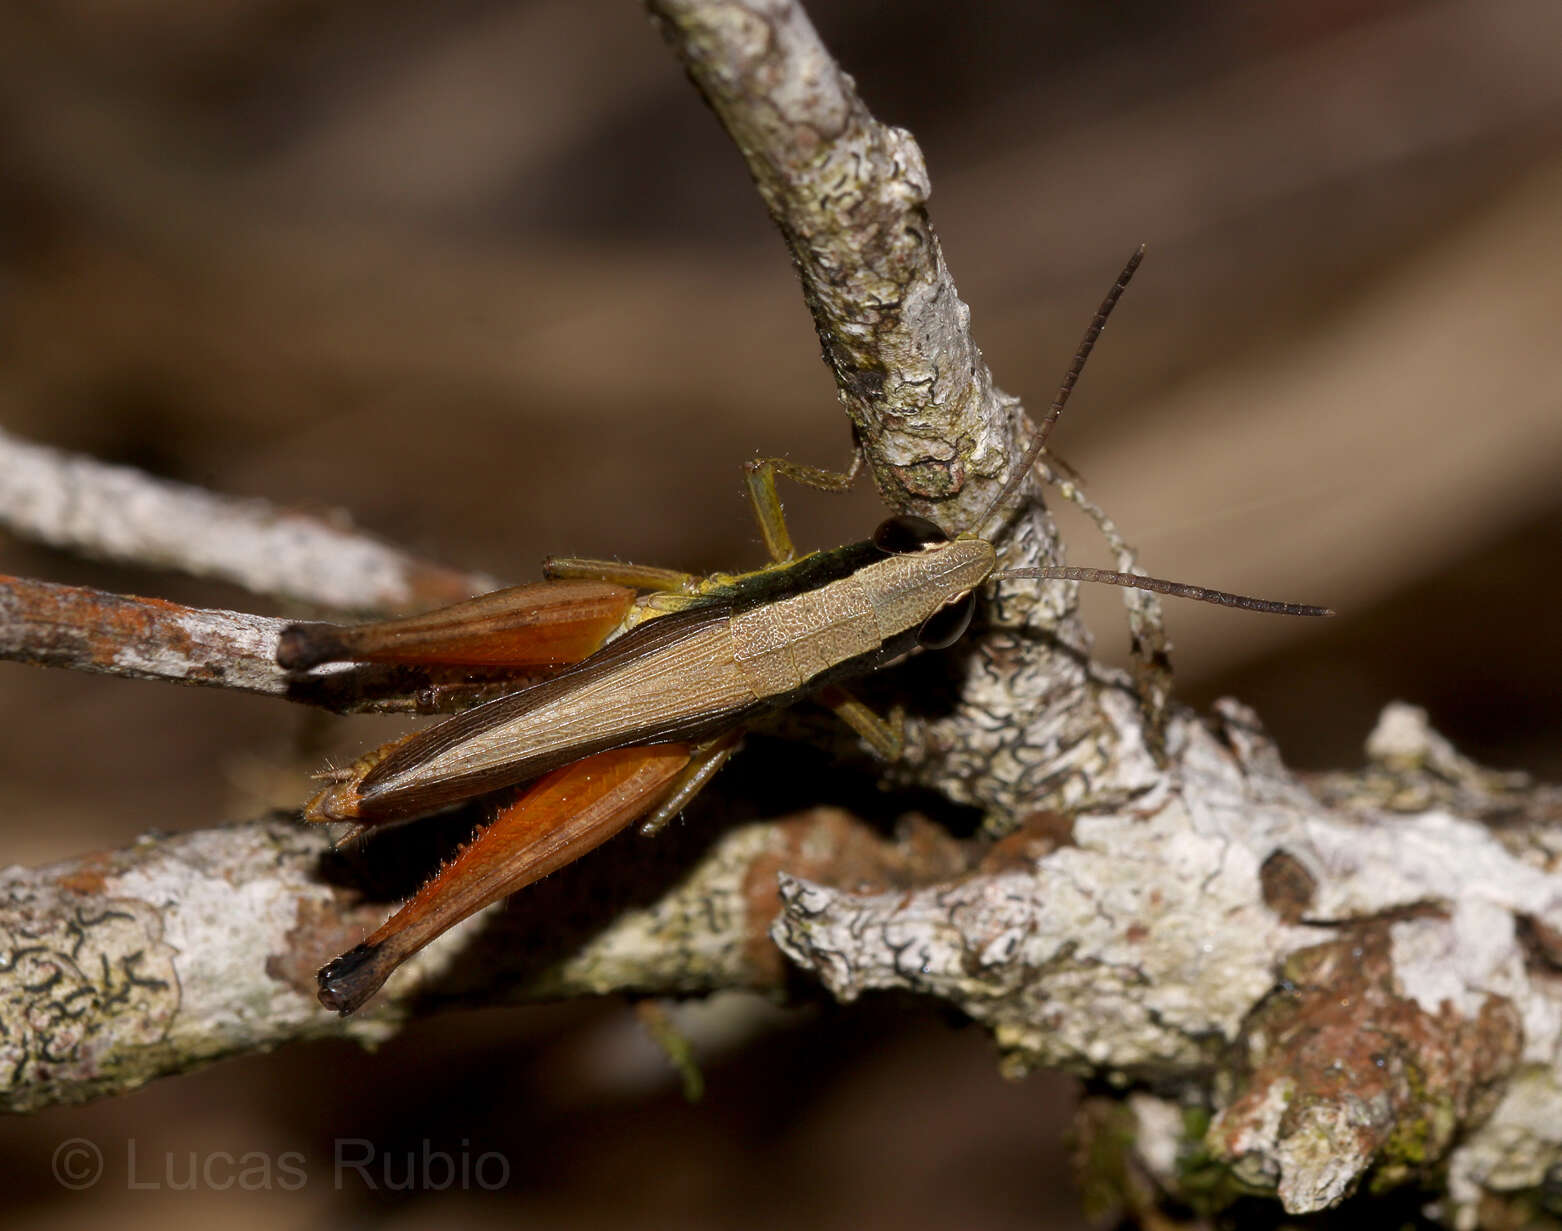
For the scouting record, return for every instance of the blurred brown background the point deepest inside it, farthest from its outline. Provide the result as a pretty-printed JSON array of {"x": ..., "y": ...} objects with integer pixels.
[{"x": 489, "y": 276}]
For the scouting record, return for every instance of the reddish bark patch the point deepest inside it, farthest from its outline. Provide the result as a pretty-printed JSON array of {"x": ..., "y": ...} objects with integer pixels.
[
  {"x": 830, "y": 847},
  {"x": 1338, "y": 1031},
  {"x": 320, "y": 932},
  {"x": 1038, "y": 835},
  {"x": 1288, "y": 886},
  {"x": 434, "y": 585},
  {"x": 73, "y": 624},
  {"x": 89, "y": 877}
]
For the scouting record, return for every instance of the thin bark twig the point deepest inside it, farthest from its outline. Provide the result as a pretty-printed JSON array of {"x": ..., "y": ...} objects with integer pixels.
[
  {"x": 119, "y": 513},
  {"x": 89, "y": 630}
]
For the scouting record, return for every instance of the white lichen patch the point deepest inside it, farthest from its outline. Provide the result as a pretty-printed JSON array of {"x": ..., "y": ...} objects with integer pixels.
[
  {"x": 1459, "y": 961},
  {"x": 221, "y": 927},
  {"x": 1393, "y": 861},
  {"x": 1158, "y": 1135},
  {"x": 1403, "y": 736}
]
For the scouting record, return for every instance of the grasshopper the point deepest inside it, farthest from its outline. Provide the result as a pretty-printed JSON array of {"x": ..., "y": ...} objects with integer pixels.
[{"x": 635, "y": 728}]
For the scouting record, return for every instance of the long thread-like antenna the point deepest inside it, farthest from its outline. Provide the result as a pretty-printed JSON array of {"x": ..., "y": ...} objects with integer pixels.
[
  {"x": 1132, "y": 581},
  {"x": 1178, "y": 589},
  {"x": 1044, "y": 429}
]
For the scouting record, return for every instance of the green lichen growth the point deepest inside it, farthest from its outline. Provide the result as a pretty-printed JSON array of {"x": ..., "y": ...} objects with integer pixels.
[
  {"x": 1208, "y": 1185},
  {"x": 1113, "y": 1182},
  {"x": 1422, "y": 1132}
]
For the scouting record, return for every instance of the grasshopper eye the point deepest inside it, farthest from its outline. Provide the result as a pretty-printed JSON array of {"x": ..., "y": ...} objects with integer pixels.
[
  {"x": 948, "y": 624},
  {"x": 898, "y": 536}
]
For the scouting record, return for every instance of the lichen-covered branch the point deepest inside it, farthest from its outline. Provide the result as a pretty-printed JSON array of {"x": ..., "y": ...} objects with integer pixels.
[
  {"x": 122, "y": 966},
  {"x": 849, "y": 195},
  {"x": 122, "y": 514},
  {"x": 1354, "y": 988}
]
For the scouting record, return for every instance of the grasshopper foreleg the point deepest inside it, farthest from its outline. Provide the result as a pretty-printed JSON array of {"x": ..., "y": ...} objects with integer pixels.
[
  {"x": 760, "y": 475},
  {"x": 635, "y": 576}
]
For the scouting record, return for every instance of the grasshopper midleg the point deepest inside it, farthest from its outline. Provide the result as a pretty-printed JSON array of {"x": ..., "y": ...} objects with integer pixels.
[{"x": 641, "y": 723}]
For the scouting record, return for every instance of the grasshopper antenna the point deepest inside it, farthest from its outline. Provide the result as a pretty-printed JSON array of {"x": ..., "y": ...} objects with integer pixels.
[
  {"x": 1177, "y": 589},
  {"x": 1070, "y": 378},
  {"x": 1132, "y": 581}
]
